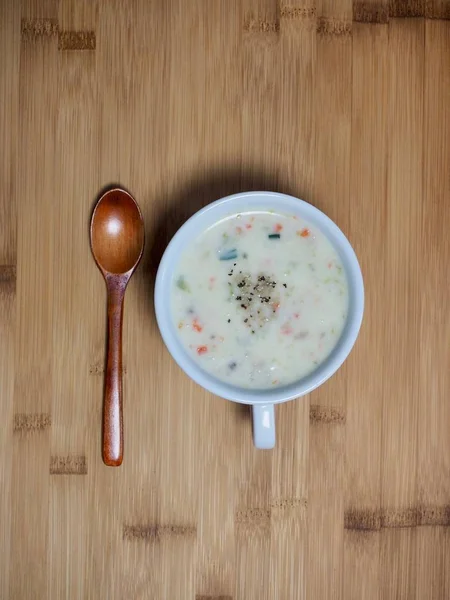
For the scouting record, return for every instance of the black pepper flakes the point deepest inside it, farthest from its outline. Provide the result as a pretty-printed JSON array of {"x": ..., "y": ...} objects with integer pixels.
[
  {"x": 285, "y": 285},
  {"x": 229, "y": 320}
]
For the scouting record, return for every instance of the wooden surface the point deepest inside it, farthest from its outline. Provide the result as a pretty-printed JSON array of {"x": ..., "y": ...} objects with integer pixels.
[{"x": 345, "y": 105}]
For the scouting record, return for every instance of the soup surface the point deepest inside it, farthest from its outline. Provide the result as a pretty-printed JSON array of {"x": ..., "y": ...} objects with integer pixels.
[{"x": 259, "y": 299}]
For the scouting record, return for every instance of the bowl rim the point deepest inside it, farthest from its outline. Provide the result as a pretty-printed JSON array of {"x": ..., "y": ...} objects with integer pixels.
[{"x": 326, "y": 369}]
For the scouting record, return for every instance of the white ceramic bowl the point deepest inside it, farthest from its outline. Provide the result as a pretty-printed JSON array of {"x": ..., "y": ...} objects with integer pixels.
[{"x": 262, "y": 401}]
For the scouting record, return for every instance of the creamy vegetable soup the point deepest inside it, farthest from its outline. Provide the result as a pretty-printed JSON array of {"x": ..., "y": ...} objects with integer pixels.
[{"x": 259, "y": 299}]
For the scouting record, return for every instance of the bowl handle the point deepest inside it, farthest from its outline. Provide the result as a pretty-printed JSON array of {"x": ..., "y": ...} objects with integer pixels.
[{"x": 264, "y": 426}]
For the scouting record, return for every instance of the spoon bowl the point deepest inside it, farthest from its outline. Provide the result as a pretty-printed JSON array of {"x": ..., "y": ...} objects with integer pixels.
[
  {"x": 117, "y": 243},
  {"x": 117, "y": 232}
]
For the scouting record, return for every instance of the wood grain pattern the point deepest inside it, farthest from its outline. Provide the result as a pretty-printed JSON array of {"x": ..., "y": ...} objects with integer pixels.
[
  {"x": 398, "y": 550},
  {"x": 342, "y": 103},
  {"x": 433, "y": 460},
  {"x": 368, "y": 177}
]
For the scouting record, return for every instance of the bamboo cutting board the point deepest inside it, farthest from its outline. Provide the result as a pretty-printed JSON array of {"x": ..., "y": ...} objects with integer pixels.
[{"x": 346, "y": 105}]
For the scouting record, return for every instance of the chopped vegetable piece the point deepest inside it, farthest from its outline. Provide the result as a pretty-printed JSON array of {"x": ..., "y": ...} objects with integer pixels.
[
  {"x": 196, "y": 326},
  {"x": 228, "y": 254},
  {"x": 181, "y": 283},
  {"x": 274, "y": 236},
  {"x": 305, "y": 232},
  {"x": 202, "y": 349},
  {"x": 278, "y": 227}
]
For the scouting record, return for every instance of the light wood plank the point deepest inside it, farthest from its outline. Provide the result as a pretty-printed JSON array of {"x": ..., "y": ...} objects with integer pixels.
[
  {"x": 9, "y": 86},
  {"x": 433, "y": 458},
  {"x": 33, "y": 390},
  {"x": 73, "y": 291},
  {"x": 402, "y": 316},
  {"x": 368, "y": 217}
]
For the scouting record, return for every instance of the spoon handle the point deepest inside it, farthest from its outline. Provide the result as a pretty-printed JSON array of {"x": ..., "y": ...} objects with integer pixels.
[{"x": 112, "y": 404}]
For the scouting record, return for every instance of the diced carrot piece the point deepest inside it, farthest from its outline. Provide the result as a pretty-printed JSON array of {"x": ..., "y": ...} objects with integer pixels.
[
  {"x": 248, "y": 226},
  {"x": 202, "y": 349},
  {"x": 304, "y": 232},
  {"x": 196, "y": 326},
  {"x": 278, "y": 228},
  {"x": 239, "y": 230}
]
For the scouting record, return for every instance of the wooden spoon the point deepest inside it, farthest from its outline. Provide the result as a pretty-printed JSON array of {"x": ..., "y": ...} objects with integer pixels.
[{"x": 117, "y": 243}]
